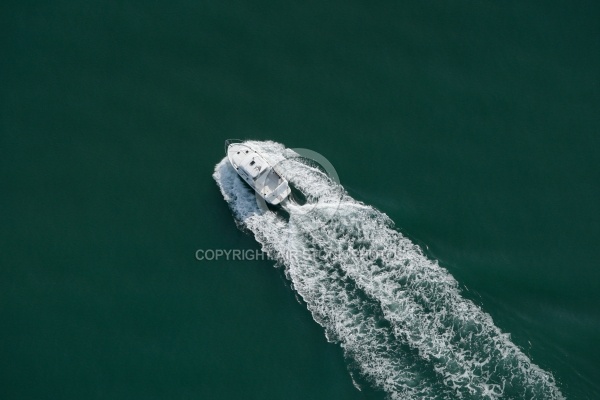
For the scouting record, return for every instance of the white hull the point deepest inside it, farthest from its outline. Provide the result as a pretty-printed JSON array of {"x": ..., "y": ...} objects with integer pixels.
[{"x": 258, "y": 173}]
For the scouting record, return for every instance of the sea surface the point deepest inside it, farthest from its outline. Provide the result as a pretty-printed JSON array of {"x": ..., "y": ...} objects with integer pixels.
[{"x": 466, "y": 137}]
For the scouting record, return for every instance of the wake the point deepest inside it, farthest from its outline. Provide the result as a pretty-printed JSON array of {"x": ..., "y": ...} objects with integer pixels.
[{"x": 399, "y": 316}]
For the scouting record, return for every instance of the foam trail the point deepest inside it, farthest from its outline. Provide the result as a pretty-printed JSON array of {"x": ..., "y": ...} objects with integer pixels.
[{"x": 398, "y": 315}]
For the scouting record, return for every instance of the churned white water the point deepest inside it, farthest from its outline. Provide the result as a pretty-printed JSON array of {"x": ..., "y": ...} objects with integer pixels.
[{"x": 398, "y": 315}]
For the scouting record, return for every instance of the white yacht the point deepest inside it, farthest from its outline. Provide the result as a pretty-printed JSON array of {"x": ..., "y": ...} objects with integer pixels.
[{"x": 257, "y": 172}]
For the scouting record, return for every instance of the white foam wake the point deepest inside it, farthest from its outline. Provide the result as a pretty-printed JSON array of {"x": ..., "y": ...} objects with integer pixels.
[{"x": 399, "y": 316}]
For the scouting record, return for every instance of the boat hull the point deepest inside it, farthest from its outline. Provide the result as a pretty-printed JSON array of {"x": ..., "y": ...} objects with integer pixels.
[{"x": 257, "y": 172}]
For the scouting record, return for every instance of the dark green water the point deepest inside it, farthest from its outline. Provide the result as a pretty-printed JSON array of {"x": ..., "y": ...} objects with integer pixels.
[{"x": 474, "y": 126}]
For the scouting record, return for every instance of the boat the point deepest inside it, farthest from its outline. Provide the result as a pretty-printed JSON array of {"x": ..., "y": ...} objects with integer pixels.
[{"x": 254, "y": 169}]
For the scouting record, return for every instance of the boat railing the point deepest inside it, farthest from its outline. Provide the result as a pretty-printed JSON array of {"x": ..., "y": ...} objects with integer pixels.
[{"x": 231, "y": 141}]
